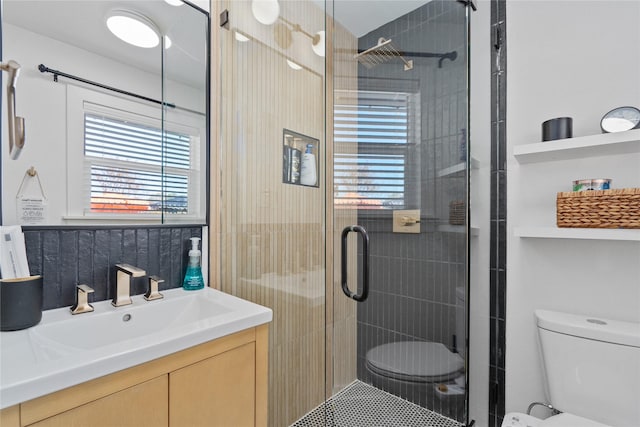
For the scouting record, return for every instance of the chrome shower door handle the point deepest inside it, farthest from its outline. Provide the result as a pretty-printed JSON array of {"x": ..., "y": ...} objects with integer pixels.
[{"x": 365, "y": 263}]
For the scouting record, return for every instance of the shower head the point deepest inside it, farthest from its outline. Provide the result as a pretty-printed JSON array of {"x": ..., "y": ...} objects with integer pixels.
[{"x": 381, "y": 53}]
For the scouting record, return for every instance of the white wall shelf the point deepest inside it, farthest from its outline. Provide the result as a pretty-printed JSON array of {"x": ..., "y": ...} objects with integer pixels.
[
  {"x": 577, "y": 233},
  {"x": 579, "y": 147},
  {"x": 448, "y": 228}
]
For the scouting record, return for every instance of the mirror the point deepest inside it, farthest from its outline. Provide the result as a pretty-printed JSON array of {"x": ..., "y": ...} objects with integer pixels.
[
  {"x": 621, "y": 119},
  {"x": 115, "y": 133}
]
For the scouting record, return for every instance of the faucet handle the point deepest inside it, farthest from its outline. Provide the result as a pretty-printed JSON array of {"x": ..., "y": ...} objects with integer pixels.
[
  {"x": 85, "y": 288},
  {"x": 131, "y": 270},
  {"x": 152, "y": 291},
  {"x": 82, "y": 300}
]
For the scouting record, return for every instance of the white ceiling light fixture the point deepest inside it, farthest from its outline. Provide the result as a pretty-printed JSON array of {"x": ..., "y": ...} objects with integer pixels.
[
  {"x": 318, "y": 43},
  {"x": 293, "y": 65},
  {"x": 167, "y": 42},
  {"x": 265, "y": 11},
  {"x": 174, "y": 2},
  {"x": 133, "y": 28}
]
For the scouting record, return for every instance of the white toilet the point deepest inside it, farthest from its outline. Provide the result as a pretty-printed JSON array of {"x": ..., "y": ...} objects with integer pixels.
[
  {"x": 592, "y": 372},
  {"x": 414, "y": 361},
  {"x": 416, "y": 368}
]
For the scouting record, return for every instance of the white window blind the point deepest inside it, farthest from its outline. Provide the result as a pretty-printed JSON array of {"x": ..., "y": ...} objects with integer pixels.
[
  {"x": 131, "y": 169},
  {"x": 373, "y": 130}
]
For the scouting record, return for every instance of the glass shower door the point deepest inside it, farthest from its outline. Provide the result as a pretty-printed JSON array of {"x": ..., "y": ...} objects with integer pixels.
[
  {"x": 399, "y": 97},
  {"x": 272, "y": 210}
]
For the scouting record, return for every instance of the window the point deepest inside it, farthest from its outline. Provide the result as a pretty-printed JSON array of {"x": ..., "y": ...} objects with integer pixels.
[
  {"x": 122, "y": 167},
  {"x": 130, "y": 169},
  {"x": 373, "y": 133}
]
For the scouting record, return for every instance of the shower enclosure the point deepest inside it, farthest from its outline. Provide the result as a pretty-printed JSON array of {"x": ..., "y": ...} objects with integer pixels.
[{"x": 366, "y": 269}]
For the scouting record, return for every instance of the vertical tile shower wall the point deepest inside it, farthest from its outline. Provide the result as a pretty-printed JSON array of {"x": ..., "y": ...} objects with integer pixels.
[
  {"x": 66, "y": 257},
  {"x": 414, "y": 277},
  {"x": 498, "y": 244}
]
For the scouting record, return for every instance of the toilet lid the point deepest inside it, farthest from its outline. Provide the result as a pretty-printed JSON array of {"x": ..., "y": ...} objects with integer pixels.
[
  {"x": 569, "y": 420},
  {"x": 418, "y": 361}
]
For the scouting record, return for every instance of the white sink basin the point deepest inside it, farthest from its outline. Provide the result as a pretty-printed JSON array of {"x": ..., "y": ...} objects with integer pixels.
[
  {"x": 65, "y": 350},
  {"x": 108, "y": 325}
]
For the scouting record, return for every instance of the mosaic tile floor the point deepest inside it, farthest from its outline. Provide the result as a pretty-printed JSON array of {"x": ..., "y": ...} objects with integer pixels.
[{"x": 362, "y": 405}]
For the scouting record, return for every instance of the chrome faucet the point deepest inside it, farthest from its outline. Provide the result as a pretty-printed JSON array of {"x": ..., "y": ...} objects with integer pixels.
[
  {"x": 82, "y": 300},
  {"x": 123, "y": 283}
]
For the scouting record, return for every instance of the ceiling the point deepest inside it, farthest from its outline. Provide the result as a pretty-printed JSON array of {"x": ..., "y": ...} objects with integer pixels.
[
  {"x": 185, "y": 60},
  {"x": 363, "y": 16},
  {"x": 82, "y": 24}
]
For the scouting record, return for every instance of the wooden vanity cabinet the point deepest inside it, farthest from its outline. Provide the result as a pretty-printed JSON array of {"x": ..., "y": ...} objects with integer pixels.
[
  {"x": 218, "y": 383},
  {"x": 10, "y": 417},
  {"x": 142, "y": 404},
  {"x": 217, "y": 391}
]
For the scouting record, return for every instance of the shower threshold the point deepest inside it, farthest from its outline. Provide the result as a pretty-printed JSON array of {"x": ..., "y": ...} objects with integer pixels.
[{"x": 362, "y": 405}]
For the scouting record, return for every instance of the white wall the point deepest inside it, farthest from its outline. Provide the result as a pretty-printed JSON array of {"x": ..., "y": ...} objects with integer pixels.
[
  {"x": 43, "y": 105},
  {"x": 480, "y": 146},
  {"x": 577, "y": 59}
]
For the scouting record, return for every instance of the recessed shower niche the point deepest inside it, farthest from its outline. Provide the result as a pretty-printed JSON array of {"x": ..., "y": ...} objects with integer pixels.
[{"x": 299, "y": 159}]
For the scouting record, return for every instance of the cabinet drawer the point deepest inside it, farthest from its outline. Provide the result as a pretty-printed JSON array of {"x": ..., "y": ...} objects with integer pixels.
[
  {"x": 219, "y": 391},
  {"x": 142, "y": 405}
]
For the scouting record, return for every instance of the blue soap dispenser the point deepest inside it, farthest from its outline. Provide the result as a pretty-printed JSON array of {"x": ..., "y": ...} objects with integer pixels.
[{"x": 193, "y": 277}]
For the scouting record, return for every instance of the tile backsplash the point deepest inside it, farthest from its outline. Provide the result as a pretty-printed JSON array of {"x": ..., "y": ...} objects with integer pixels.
[{"x": 66, "y": 257}]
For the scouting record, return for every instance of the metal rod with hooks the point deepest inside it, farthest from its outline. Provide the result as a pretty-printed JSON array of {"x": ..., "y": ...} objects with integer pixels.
[{"x": 44, "y": 69}]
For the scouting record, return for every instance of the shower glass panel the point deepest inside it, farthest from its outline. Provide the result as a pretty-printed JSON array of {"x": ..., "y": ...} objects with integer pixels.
[
  {"x": 400, "y": 170},
  {"x": 272, "y": 238},
  {"x": 185, "y": 60}
]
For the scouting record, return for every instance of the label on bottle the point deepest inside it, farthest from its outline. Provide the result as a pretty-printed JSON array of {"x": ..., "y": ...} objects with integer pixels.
[
  {"x": 296, "y": 156},
  {"x": 193, "y": 278}
]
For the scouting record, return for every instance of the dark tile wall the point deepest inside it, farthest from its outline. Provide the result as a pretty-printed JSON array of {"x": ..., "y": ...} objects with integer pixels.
[
  {"x": 66, "y": 257},
  {"x": 498, "y": 258},
  {"x": 414, "y": 277},
  {"x": 413, "y": 285}
]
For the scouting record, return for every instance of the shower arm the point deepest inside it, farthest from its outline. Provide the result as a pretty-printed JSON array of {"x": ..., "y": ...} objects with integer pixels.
[
  {"x": 451, "y": 56},
  {"x": 447, "y": 55},
  {"x": 16, "y": 124}
]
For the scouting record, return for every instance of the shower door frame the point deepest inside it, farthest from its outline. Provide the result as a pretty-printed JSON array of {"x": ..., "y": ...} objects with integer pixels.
[{"x": 335, "y": 319}]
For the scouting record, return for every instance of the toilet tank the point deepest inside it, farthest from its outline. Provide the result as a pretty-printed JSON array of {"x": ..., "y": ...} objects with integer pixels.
[{"x": 592, "y": 366}]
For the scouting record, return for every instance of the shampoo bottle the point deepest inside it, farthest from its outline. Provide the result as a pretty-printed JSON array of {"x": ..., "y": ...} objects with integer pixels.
[
  {"x": 193, "y": 277},
  {"x": 308, "y": 174}
]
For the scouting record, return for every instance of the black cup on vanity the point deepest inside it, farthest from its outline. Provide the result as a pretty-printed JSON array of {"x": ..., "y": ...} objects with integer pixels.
[
  {"x": 20, "y": 303},
  {"x": 558, "y": 128}
]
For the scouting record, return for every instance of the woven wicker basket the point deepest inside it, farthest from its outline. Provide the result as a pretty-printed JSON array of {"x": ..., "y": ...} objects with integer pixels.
[
  {"x": 457, "y": 213},
  {"x": 599, "y": 209}
]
